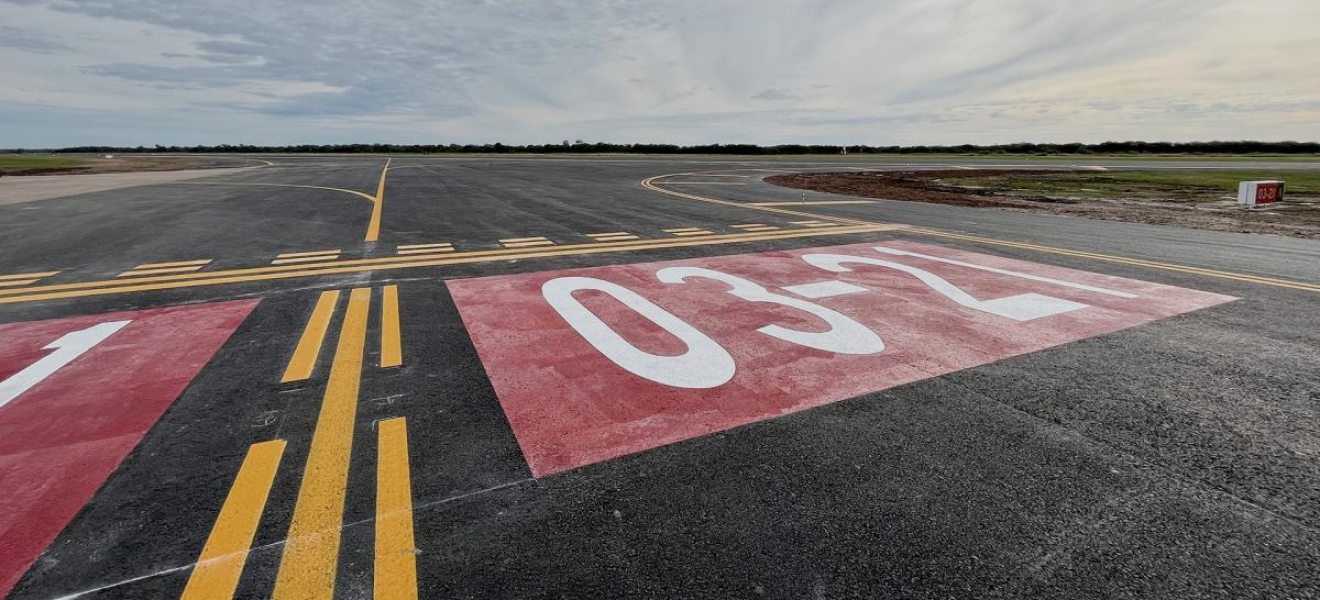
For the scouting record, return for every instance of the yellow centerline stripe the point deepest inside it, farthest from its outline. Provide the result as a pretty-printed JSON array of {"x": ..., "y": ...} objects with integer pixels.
[
  {"x": 391, "y": 348},
  {"x": 215, "y": 577},
  {"x": 396, "y": 549},
  {"x": 29, "y": 275},
  {"x": 378, "y": 205},
  {"x": 169, "y": 282},
  {"x": 311, "y": 553},
  {"x": 140, "y": 272},
  {"x": 304, "y": 356},
  {"x": 305, "y": 254},
  {"x": 814, "y": 203},
  {"x": 181, "y": 263}
]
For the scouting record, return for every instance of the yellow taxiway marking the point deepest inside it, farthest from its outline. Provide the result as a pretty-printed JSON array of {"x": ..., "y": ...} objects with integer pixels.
[
  {"x": 396, "y": 550},
  {"x": 607, "y": 235},
  {"x": 304, "y": 254},
  {"x": 814, "y": 203},
  {"x": 215, "y": 577},
  {"x": 680, "y": 229},
  {"x": 826, "y": 221},
  {"x": 526, "y": 242},
  {"x": 169, "y": 282},
  {"x": 524, "y": 239},
  {"x": 41, "y": 275},
  {"x": 424, "y": 246},
  {"x": 182, "y": 263},
  {"x": 618, "y": 238},
  {"x": 309, "y": 345},
  {"x": 703, "y": 183},
  {"x": 141, "y": 272},
  {"x": 691, "y": 233},
  {"x": 311, "y": 553},
  {"x": 391, "y": 348},
  {"x": 17, "y": 283},
  {"x": 377, "y": 205}
]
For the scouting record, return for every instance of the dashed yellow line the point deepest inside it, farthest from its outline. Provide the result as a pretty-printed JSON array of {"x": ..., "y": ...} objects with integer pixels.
[
  {"x": 527, "y": 242},
  {"x": 140, "y": 272},
  {"x": 425, "y": 246},
  {"x": 307, "y": 254},
  {"x": 311, "y": 553},
  {"x": 182, "y": 263},
  {"x": 309, "y": 345},
  {"x": 189, "y": 280},
  {"x": 391, "y": 346},
  {"x": 396, "y": 549},
  {"x": 216, "y": 575}
]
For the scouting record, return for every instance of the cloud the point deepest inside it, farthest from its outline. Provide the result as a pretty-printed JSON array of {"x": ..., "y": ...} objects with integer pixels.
[{"x": 684, "y": 71}]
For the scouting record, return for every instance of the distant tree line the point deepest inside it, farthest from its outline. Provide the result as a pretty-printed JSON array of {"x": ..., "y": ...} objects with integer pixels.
[{"x": 580, "y": 147}]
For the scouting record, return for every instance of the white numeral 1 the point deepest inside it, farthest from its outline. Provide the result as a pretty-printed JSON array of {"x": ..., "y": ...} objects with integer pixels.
[
  {"x": 66, "y": 349},
  {"x": 705, "y": 365}
]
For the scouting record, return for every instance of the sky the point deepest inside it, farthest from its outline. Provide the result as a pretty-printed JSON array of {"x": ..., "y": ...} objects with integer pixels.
[{"x": 879, "y": 72}]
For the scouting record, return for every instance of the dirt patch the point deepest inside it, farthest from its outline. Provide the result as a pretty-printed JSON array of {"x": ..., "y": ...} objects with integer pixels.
[{"x": 1081, "y": 194}]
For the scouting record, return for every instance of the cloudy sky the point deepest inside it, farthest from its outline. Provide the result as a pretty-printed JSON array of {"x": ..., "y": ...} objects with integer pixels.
[{"x": 129, "y": 72}]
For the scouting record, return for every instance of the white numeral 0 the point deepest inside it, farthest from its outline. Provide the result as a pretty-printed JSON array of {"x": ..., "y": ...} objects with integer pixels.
[{"x": 705, "y": 364}]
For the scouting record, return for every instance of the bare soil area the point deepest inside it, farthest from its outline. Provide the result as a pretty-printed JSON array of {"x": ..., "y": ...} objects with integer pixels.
[
  {"x": 1132, "y": 197},
  {"x": 18, "y": 166}
]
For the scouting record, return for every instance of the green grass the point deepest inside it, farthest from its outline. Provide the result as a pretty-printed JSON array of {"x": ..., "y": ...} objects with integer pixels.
[{"x": 23, "y": 162}]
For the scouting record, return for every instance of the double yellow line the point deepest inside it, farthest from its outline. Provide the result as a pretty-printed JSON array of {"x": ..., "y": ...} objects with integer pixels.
[
  {"x": 235, "y": 276},
  {"x": 310, "y": 562},
  {"x": 650, "y": 183}
]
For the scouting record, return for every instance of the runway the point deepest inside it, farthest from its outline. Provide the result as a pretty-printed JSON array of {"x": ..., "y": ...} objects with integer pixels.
[{"x": 627, "y": 377}]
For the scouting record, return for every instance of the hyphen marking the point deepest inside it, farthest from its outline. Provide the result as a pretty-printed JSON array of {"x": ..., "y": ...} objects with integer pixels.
[
  {"x": 313, "y": 337},
  {"x": 396, "y": 550}
]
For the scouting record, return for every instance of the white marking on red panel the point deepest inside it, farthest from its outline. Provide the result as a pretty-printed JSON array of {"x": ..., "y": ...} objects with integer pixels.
[
  {"x": 593, "y": 364},
  {"x": 76, "y": 396}
]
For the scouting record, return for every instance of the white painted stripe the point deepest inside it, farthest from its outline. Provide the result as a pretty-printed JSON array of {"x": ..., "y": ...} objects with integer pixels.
[
  {"x": 181, "y": 263},
  {"x": 28, "y": 275},
  {"x": 1067, "y": 284},
  {"x": 66, "y": 349},
  {"x": 302, "y": 254},
  {"x": 420, "y": 246},
  {"x": 140, "y": 272},
  {"x": 424, "y": 251},
  {"x": 306, "y": 259},
  {"x": 824, "y": 289}
]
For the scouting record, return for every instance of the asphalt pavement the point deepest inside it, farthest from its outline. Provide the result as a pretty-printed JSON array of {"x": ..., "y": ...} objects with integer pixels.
[{"x": 640, "y": 377}]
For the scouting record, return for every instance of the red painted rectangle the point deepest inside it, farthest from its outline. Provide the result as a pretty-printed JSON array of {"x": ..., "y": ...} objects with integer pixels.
[
  {"x": 76, "y": 396},
  {"x": 572, "y": 405}
]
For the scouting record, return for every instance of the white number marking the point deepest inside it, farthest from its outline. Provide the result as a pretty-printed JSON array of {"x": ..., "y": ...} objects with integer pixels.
[
  {"x": 705, "y": 365},
  {"x": 823, "y": 289},
  {"x": 845, "y": 336},
  {"x": 1067, "y": 284},
  {"x": 1023, "y": 307},
  {"x": 66, "y": 349}
]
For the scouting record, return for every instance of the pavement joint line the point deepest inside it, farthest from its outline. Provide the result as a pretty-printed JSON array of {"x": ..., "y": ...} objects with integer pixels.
[
  {"x": 311, "y": 553},
  {"x": 41, "y": 275},
  {"x": 395, "y": 569},
  {"x": 391, "y": 348},
  {"x": 220, "y": 565},
  {"x": 182, "y": 263},
  {"x": 140, "y": 272},
  {"x": 308, "y": 350},
  {"x": 166, "y": 282},
  {"x": 306, "y": 254},
  {"x": 1284, "y": 283}
]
